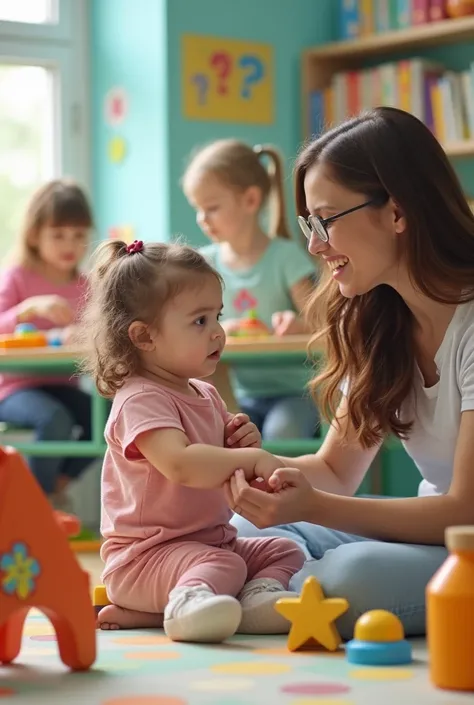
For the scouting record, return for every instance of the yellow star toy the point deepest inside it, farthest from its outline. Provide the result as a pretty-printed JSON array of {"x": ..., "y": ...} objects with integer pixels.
[{"x": 312, "y": 616}]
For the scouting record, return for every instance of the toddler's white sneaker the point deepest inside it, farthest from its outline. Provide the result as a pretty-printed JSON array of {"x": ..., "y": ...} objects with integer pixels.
[
  {"x": 195, "y": 613},
  {"x": 259, "y": 616}
]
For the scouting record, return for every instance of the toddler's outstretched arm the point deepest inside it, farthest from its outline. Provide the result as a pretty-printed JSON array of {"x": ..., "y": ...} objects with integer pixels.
[{"x": 201, "y": 465}]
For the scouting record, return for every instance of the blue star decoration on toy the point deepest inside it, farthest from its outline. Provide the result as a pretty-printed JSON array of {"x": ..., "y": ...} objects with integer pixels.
[
  {"x": 20, "y": 570},
  {"x": 312, "y": 617}
]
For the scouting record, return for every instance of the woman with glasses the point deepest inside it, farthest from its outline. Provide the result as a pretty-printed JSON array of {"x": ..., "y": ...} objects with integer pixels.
[{"x": 383, "y": 209}]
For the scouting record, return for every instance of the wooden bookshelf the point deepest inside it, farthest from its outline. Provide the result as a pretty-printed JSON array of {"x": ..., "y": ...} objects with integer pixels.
[
  {"x": 320, "y": 63},
  {"x": 425, "y": 35},
  {"x": 462, "y": 148}
]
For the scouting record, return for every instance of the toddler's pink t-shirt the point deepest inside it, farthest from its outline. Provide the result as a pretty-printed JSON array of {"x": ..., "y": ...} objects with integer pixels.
[
  {"x": 140, "y": 507},
  {"x": 16, "y": 285}
]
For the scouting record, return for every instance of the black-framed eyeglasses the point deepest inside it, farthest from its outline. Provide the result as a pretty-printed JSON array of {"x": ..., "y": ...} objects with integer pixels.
[{"x": 316, "y": 225}]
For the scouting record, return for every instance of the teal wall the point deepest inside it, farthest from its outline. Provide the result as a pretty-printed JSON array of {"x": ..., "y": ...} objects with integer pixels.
[
  {"x": 289, "y": 27},
  {"x": 129, "y": 50},
  {"x": 137, "y": 44}
]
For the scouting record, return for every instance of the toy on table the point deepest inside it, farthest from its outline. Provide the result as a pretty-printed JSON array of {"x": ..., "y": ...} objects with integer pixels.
[
  {"x": 26, "y": 335},
  {"x": 379, "y": 640},
  {"x": 450, "y": 614},
  {"x": 251, "y": 327},
  {"x": 55, "y": 341},
  {"x": 38, "y": 568},
  {"x": 312, "y": 617}
]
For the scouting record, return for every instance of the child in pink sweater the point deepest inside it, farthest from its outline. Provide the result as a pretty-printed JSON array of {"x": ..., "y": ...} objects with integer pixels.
[
  {"x": 171, "y": 556},
  {"x": 44, "y": 287}
]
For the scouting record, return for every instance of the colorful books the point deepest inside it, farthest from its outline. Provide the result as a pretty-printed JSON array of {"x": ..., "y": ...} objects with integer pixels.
[
  {"x": 442, "y": 99},
  {"x": 349, "y": 19},
  {"x": 359, "y": 18}
]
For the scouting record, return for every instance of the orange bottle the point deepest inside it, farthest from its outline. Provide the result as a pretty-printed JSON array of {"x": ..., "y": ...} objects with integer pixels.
[{"x": 450, "y": 613}]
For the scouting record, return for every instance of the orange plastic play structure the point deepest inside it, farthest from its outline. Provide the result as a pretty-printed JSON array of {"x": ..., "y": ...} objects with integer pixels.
[
  {"x": 38, "y": 568},
  {"x": 450, "y": 613}
]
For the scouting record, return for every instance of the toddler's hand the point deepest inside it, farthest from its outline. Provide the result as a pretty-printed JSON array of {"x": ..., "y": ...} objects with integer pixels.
[
  {"x": 68, "y": 335},
  {"x": 55, "y": 308},
  {"x": 265, "y": 467},
  {"x": 287, "y": 323},
  {"x": 240, "y": 432},
  {"x": 260, "y": 484}
]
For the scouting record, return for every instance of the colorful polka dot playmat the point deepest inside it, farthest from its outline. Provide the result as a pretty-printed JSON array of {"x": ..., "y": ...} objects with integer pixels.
[{"x": 143, "y": 667}]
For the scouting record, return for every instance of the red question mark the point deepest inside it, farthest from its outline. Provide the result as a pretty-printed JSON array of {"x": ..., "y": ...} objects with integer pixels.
[{"x": 222, "y": 62}]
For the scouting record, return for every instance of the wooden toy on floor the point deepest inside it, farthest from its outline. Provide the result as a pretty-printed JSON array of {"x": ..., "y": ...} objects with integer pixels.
[
  {"x": 38, "y": 569},
  {"x": 100, "y": 598},
  {"x": 450, "y": 614},
  {"x": 312, "y": 617},
  {"x": 379, "y": 640}
]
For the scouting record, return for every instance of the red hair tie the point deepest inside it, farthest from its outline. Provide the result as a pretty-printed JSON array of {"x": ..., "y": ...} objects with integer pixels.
[{"x": 135, "y": 246}]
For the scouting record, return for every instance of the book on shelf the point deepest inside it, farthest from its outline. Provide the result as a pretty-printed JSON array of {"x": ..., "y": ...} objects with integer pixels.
[
  {"x": 437, "y": 10},
  {"x": 350, "y": 19},
  {"x": 442, "y": 99},
  {"x": 420, "y": 11},
  {"x": 359, "y": 18}
]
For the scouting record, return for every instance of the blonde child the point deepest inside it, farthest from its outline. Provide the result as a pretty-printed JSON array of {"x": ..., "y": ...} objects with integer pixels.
[
  {"x": 263, "y": 270},
  {"x": 44, "y": 287},
  {"x": 171, "y": 556}
]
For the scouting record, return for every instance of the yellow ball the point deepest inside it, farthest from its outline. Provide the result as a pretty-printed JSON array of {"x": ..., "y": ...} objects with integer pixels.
[{"x": 379, "y": 625}]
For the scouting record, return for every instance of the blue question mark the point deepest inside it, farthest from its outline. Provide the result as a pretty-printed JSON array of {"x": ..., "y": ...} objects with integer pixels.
[
  {"x": 253, "y": 67},
  {"x": 201, "y": 82}
]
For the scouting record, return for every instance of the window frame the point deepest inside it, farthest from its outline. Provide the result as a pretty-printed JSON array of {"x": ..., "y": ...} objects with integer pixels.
[{"x": 63, "y": 48}]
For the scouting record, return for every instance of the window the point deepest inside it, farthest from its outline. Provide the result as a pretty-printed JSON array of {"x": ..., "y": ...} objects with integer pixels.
[
  {"x": 43, "y": 102},
  {"x": 27, "y": 148},
  {"x": 32, "y": 11}
]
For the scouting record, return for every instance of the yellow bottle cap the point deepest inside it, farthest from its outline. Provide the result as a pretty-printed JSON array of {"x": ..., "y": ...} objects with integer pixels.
[{"x": 460, "y": 538}]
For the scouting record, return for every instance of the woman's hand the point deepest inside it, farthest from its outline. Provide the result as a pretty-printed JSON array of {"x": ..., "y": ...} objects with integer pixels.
[{"x": 289, "y": 497}]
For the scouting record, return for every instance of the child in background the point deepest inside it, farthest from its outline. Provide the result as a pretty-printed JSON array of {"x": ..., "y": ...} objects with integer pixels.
[
  {"x": 171, "y": 556},
  {"x": 44, "y": 287},
  {"x": 266, "y": 272}
]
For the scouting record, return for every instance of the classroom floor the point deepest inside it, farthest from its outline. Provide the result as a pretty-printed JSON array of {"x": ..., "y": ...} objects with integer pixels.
[{"x": 143, "y": 667}]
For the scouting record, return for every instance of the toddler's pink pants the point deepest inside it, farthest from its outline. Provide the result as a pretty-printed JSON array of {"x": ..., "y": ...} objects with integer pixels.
[{"x": 145, "y": 583}]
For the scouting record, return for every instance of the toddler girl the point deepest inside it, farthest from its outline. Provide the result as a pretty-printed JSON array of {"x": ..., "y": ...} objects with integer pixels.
[
  {"x": 44, "y": 287},
  {"x": 264, "y": 271},
  {"x": 152, "y": 322}
]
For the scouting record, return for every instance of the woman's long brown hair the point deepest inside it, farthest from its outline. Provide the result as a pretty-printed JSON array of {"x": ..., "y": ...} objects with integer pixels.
[{"x": 369, "y": 339}]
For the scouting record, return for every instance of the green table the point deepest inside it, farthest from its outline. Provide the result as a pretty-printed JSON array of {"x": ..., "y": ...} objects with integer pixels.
[
  {"x": 393, "y": 473},
  {"x": 64, "y": 361}
]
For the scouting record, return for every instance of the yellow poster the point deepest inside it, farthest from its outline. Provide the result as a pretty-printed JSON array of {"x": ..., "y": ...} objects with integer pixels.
[{"x": 227, "y": 80}]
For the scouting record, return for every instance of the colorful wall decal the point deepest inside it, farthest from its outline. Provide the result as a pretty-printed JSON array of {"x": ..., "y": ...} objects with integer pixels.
[
  {"x": 122, "y": 232},
  {"x": 115, "y": 106},
  {"x": 227, "y": 80},
  {"x": 117, "y": 149}
]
